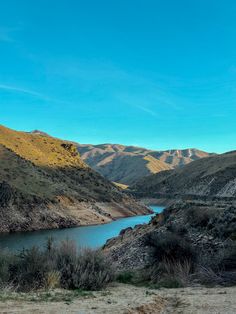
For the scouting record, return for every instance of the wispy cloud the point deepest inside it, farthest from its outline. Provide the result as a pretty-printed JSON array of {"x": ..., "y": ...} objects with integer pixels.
[
  {"x": 115, "y": 85},
  {"x": 22, "y": 90},
  {"x": 147, "y": 110},
  {"x": 16, "y": 89}
]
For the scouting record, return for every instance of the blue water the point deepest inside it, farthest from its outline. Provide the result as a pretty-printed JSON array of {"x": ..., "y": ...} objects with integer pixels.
[{"x": 87, "y": 236}]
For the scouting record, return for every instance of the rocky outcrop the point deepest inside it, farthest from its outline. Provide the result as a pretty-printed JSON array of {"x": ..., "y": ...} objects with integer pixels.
[
  {"x": 71, "y": 148},
  {"x": 207, "y": 226}
]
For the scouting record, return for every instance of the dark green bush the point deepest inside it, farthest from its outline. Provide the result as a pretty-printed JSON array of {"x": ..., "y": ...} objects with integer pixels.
[
  {"x": 223, "y": 225},
  {"x": 55, "y": 266},
  {"x": 66, "y": 261},
  {"x": 169, "y": 283},
  {"x": 28, "y": 270},
  {"x": 218, "y": 267},
  {"x": 6, "y": 258},
  {"x": 199, "y": 216},
  {"x": 170, "y": 246},
  {"x": 125, "y": 277},
  {"x": 93, "y": 271},
  {"x": 177, "y": 229},
  {"x": 227, "y": 260},
  {"x": 173, "y": 259}
]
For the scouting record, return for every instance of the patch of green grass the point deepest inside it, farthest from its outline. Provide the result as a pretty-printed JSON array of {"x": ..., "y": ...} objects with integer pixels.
[
  {"x": 126, "y": 277},
  {"x": 169, "y": 283},
  {"x": 136, "y": 278}
]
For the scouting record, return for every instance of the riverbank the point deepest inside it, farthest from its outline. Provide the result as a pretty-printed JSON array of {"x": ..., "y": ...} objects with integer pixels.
[
  {"x": 124, "y": 299},
  {"x": 89, "y": 236}
]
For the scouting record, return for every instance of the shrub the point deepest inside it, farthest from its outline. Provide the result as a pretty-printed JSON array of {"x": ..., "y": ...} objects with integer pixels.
[
  {"x": 224, "y": 224},
  {"x": 177, "y": 229},
  {"x": 6, "y": 258},
  {"x": 199, "y": 216},
  {"x": 88, "y": 270},
  {"x": 218, "y": 267},
  {"x": 125, "y": 277},
  {"x": 227, "y": 259},
  {"x": 28, "y": 270},
  {"x": 178, "y": 272},
  {"x": 173, "y": 259},
  {"x": 66, "y": 263},
  {"x": 52, "y": 279},
  {"x": 55, "y": 266},
  {"x": 169, "y": 283},
  {"x": 170, "y": 246},
  {"x": 93, "y": 271}
]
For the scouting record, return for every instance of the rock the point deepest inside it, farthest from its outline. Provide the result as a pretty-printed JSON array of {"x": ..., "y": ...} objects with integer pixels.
[
  {"x": 70, "y": 148},
  {"x": 123, "y": 231}
]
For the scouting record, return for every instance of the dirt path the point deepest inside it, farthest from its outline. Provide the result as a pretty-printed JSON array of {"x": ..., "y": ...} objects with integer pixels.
[{"x": 126, "y": 299}]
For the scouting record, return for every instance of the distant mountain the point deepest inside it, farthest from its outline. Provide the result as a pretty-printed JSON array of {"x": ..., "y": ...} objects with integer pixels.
[
  {"x": 38, "y": 132},
  {"x": 127, "y": 164},
  {"x": 178, "y": 158},
  {"x": 214, "y": 176},
  {"x": 45, "y": 184}
]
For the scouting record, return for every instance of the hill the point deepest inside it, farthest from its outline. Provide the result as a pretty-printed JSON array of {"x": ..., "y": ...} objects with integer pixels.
[
  {"x": 179, "y": 158},
  {"x": 127, "y": 164},
  {"x": 45, "y": 184},
  {"x": 209, "y": 177}
]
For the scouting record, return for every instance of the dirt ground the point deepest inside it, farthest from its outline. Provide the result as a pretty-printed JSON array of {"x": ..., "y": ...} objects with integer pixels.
[{"x": 127, "y": 299}]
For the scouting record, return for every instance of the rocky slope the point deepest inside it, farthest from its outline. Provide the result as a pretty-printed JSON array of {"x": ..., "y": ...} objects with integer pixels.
[
  {"x": 208, "y": 227},
  {"x": 127, "y": 164},
  {"x": 209, "y": 177},
  {"x": 45, "y": 184}
]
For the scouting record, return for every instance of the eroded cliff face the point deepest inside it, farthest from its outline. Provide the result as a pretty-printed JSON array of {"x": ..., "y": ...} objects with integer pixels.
[{"x": 45, "y": 184}]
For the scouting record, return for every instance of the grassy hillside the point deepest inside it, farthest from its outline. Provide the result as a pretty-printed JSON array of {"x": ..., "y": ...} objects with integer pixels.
[
  {"x": 120, "y": 163},
  {"x": 179, "y": 158},
  {"x": 48, "y": 185},
  {"x": 127, "y": 164}
]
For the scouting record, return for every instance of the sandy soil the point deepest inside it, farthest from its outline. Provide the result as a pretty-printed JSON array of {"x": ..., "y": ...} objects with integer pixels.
[{"x": 126, "y": 299}]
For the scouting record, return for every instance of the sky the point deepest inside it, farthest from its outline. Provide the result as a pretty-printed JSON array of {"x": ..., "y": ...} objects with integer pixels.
[{"x": 151, "y": 73}]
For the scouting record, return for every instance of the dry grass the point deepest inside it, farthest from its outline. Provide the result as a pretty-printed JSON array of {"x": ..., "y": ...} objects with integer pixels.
[
  {"x": 48, "y": 167},
  {"x": 60, "y": 266},
  {"x": 41, "y": 150},
  {"x": 155, "y": 165},
  {"x": 120, "y": 185}
]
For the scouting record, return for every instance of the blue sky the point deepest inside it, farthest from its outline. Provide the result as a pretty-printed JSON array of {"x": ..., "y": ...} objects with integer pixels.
[{"x": 153, "y": 73}]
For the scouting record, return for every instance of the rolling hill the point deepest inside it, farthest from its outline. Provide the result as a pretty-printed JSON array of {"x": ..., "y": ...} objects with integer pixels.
[
  {"x": 127, "y": 164},
  {"x": 45, "y": 184},
  {"x": 214, "y": 176}
]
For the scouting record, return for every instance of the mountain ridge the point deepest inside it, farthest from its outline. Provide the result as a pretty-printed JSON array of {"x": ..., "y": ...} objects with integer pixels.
[
  {"x": 46, "y": 184},
  {"x": 213, "y": 176},
  {"x": 127, "y": 164}
]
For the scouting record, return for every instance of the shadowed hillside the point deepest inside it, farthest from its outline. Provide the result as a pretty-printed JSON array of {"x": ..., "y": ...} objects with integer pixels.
[
  {"x": 45, "y": 184},
  {"x": 213, "y": 176}
]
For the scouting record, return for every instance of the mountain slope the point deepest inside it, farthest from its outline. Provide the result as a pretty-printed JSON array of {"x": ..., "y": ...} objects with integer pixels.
[
  {"x": 127, "y": 164},
  {"x": 45, "y": 184},
  {"x": 213, "y": 176},
  {"x": 178, "y": 158}
]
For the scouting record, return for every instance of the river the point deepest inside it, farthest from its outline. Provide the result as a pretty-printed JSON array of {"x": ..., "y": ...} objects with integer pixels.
[{"x": 85, "y": 236}]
